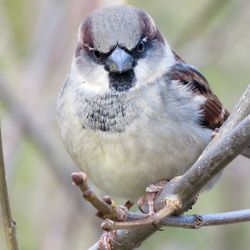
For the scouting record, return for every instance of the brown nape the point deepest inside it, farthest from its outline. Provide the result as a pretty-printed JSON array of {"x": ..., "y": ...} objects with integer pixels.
[
  {"x": 85, "y": 36},
  {"x": 86, "y": 33},
  {"x": 148, "y": 29},
  {"x": 158, "y": 36}
]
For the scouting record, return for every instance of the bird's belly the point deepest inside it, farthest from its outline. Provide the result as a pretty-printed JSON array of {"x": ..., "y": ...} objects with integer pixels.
[{"x": 124, "y": 164}]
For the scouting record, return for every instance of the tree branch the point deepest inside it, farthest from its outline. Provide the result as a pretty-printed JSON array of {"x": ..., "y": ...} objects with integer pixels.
[
  {"x": 8, "y": 223},
  {"x": 196, "y": 221},
  {"x": 227, "y": 144}
]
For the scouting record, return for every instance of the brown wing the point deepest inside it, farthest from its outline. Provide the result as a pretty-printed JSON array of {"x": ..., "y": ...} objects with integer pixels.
[{"x": 213, "y": 113}]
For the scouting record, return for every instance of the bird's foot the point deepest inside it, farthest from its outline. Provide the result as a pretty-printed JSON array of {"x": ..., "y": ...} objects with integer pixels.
[
  {"x": 171, "y": 205},
  {"x": 148, "y": 199},
  {"x": 166, "y": 205},
  {"x": 105, "y": 241}
]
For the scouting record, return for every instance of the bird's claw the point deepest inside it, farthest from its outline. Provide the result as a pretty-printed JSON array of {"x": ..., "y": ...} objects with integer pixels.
[
  {"x": 148, "y": 199},
  {"x": 105, "y": 241}
]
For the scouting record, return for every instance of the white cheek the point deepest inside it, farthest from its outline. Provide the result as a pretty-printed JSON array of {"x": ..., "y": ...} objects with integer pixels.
[
  {"x": 148, "y": 70},
  {"x": 98, "y": 79},
  {"x": 93, "y": 81},
  {"x": 141, "y": 71}
]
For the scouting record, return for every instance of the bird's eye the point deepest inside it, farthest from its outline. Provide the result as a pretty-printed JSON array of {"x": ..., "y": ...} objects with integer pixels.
[
  {"x": 140, "y": 46},
  {"x": 97, "y": 54}
]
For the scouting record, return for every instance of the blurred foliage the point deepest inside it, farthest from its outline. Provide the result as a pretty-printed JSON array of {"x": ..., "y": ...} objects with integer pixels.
[
  {"x": 17, "y": 20},
  {"x": 37, "y": 42}
]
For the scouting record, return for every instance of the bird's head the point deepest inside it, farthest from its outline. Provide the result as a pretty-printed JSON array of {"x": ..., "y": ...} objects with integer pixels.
[{"x": 119, "y": 49}]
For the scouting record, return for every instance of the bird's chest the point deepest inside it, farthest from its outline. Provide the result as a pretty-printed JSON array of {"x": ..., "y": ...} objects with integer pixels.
[{"x": 125, "y": 145}]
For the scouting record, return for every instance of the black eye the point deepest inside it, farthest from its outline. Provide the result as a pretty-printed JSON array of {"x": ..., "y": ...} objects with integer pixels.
[
  {"x": 97, "y": 54},
  {"x": 140, "y": 46}
]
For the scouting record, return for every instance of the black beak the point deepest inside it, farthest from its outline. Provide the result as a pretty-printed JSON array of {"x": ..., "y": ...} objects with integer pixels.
[{"x": 119, "y": 61}]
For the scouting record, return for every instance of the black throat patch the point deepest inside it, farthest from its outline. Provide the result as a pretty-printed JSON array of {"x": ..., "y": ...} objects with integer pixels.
[{"x": 122, "y": 82}]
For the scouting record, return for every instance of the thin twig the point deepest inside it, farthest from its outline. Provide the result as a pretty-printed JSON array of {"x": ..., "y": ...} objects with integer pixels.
[
  {"x": 8, "y": 223},
  {"x": 104, "y": 209},
  {"x": 196, "y": 221}
]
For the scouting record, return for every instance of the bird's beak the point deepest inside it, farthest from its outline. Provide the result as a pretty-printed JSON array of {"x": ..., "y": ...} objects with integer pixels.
[{"x": 119, "y": 61}]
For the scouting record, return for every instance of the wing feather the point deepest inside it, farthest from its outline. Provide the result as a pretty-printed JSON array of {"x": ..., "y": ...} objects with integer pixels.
[{"x": 213, "y": 113}]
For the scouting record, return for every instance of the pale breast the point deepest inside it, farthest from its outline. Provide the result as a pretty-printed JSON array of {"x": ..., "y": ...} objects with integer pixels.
[
  {"x": 138, "y": 145},
  {"x": 125, "y": 164}
]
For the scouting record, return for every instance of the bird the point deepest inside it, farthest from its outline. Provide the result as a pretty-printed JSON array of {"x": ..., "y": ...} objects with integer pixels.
[{"x": 131, "y": 112}]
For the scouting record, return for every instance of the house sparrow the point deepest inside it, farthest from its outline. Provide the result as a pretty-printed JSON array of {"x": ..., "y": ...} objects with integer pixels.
[{"x": 132, "y": 112}]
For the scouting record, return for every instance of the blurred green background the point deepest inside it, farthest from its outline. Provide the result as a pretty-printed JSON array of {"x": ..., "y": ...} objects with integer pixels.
[{"x": 36, "y": 46}]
